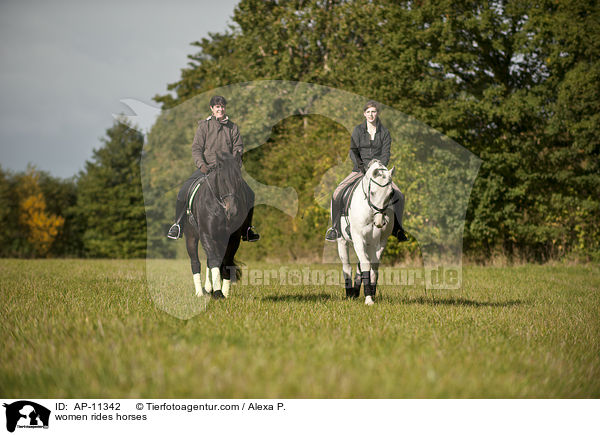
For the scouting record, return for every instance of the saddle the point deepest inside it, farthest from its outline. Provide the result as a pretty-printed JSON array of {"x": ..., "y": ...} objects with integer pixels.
[{"x": 346, "y": 196}]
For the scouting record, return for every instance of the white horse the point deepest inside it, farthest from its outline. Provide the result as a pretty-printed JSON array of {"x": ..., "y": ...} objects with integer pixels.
[{"x": 371, "y": 220}]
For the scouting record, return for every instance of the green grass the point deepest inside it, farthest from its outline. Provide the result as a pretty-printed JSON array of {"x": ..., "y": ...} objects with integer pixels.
[{"x": 77, "y": 328}]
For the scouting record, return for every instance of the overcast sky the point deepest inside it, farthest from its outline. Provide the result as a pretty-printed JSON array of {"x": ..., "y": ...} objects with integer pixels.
[{"x": 64, "y": 66}]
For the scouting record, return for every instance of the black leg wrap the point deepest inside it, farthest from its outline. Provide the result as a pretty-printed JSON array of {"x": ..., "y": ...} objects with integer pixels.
[
  {"x": 350, "y": 290},
  {"x": 372, "y": 290},
  {"x": 365, "y": 277},
  {"x": 357, "y": 283},
  {"x": 366, "y": 280}
]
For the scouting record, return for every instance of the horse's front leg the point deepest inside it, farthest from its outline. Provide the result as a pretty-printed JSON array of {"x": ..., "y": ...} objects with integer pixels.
[
  {"x": 216, "y": 282},
  {"x": 208, "y": 282},
  {"x": 215, "y": 251},
  {"x": 377, "y": 252},
  {"x": 365, "y": 267},
  {"x": 228, "y": 266},
  {"x": 374, "y": 277},
  {"x": 191, "y": 244},
  {"x": 344, "y": 253},
  {"x": 213, "y": 282},
  {"x": 374, "y": 252}
]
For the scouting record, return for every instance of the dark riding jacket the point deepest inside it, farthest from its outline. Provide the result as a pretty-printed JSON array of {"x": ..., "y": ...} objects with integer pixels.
[
  {"x": 215, "y": 136},
  {"x": 362, "y": 151}
]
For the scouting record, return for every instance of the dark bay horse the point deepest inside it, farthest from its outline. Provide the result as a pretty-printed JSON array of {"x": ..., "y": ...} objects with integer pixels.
[{"x": 220, "y": 208}]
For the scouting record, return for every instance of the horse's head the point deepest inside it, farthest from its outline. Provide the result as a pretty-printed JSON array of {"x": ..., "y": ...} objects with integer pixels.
[
  {"x": 230, "y": 185},
  {"x": 379, "y": 190}
]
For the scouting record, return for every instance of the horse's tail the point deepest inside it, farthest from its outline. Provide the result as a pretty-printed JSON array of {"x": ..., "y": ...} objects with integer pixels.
[{"x": 238, "y": 269}]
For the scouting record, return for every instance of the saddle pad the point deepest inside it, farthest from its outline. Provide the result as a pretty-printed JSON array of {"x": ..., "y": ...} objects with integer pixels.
[
  {"x": 347, "y": 195},
  {"x": 192, "y": 192}
]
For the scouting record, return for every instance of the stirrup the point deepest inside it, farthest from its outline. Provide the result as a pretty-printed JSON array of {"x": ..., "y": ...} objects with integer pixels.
[
  {"x": 174, "y": 232},
  {"x": 331, "y": 235},
  {"x": 250, "y": 236}
]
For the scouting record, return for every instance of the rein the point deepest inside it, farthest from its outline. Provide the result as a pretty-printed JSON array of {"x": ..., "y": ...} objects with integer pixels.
[{"x": 368, "y": 196}]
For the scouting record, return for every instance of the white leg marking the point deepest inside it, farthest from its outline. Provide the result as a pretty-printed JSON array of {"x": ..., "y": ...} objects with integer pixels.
[
  {"x": 226, "y": 287},
  {"x": 208, "y": 283},
  {"x": 216, "y": 278},
  {"x": 369, "y": 300},
  {"x": 198, "y": 284}
]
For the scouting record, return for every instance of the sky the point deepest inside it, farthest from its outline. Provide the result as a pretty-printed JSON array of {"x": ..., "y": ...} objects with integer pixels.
[{"x": 65, "y": 66}]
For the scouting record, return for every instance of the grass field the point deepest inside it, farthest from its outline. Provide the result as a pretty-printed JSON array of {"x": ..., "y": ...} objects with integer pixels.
[{"x": 87, "y": 328}]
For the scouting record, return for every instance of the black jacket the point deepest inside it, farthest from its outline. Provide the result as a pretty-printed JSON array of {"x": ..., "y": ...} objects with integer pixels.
[{"x": 361, "y": 150}]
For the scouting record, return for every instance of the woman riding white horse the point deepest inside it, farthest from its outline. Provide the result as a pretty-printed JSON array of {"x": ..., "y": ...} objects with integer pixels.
[
  {"x": 370, "y": 219},
  {"x": 370, "y": 140}
]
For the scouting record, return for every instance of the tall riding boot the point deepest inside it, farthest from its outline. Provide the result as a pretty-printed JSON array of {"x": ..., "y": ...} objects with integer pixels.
[
  {"x": 398, "y": 231},
  {"x": 334, "y": 232},
  {"x": 248, "y": 235},
  {"x": 176, "y": 230}
]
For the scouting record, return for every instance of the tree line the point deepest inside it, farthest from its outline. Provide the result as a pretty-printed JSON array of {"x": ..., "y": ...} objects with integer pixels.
[
  {"x": 98, "y": 213},
  {"x": 514, "y": 82}
]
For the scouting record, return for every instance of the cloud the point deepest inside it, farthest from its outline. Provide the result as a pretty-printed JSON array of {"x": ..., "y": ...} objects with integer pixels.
[{"x": 66, "y": 66}]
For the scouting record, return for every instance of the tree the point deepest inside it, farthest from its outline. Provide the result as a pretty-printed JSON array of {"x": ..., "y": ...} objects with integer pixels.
[
  {"x": 110, "y": 201},
  {"x": 514, "y": 82},
  {"x": 42, "y": 227},
  {"x": 9, "y": 216}
]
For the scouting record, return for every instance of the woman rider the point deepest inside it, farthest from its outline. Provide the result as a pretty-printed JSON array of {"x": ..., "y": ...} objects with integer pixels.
[
  {"x": 370, "y": 140},
  {"x": 216, "y": 134}
]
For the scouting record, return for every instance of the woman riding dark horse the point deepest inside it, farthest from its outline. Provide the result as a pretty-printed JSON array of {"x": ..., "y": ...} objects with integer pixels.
[
  {"x": 370, "y": 141},
  {"x": 218, "y": 211},
  {"x": 215, "y": 135}
]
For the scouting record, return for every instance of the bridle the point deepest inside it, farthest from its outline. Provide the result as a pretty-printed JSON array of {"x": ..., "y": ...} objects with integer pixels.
[
  {"x": 220, "y": 198},
  {"x": 368, "y": 196}
]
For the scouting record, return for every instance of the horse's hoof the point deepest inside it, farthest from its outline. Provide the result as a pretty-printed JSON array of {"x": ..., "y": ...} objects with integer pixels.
[
  {"x": 218, "y": 294},
  {"x": 369, "y": 300}
]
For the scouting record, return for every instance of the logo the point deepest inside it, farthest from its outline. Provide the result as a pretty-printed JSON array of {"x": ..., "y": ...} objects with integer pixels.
[{"x": 26, "y": 414}]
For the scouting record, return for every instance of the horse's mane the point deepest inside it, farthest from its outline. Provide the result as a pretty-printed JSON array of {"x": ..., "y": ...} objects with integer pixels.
[
  {"x": 228, "y": 172},
  {"x": 372, "y": 163}
]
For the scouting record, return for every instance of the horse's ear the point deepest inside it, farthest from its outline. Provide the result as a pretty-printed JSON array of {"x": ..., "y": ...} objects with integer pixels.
[{"x": 392, "y": 171}]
